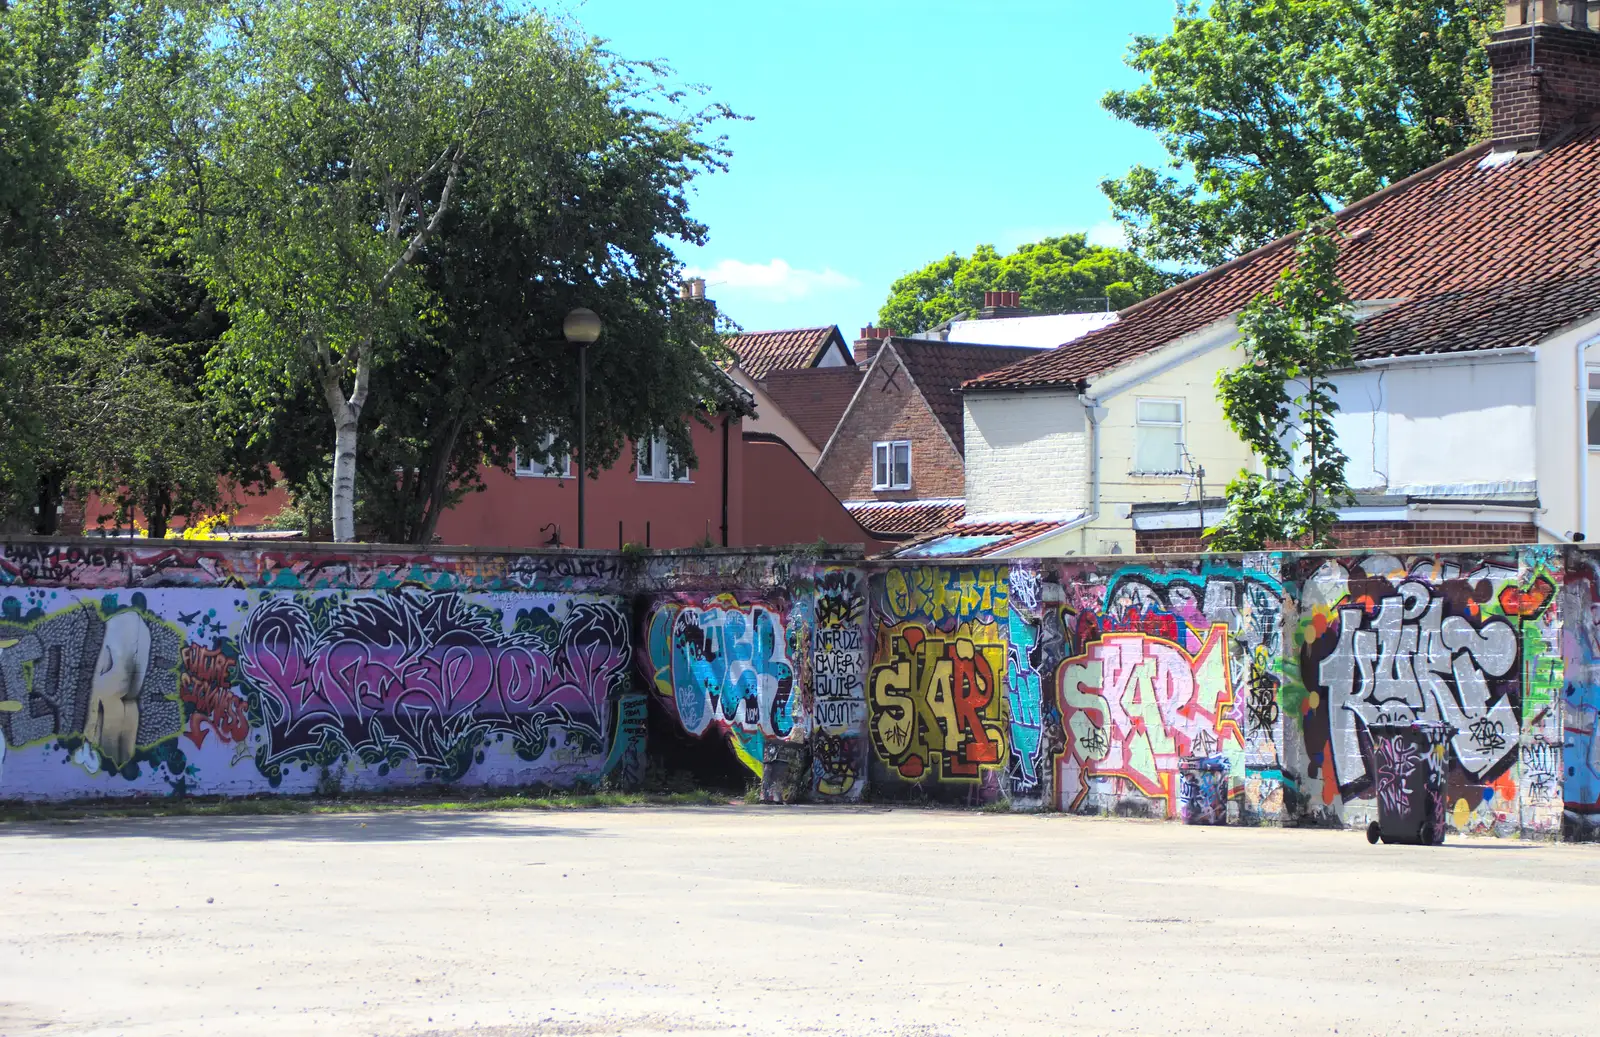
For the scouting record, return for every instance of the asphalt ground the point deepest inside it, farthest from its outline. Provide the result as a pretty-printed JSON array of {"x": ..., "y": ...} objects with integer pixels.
[{"x": 783, "y": 920}]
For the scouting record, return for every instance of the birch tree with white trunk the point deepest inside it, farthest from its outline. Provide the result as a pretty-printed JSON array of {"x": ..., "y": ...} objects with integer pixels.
[{"x": 305, "y": 153}]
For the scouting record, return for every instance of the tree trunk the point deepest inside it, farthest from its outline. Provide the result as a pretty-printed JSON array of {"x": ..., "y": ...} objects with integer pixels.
[
  {"x": 344, "y": 474},
  {"x": 346, "y": 417},
  {"x": 437, "y": 478}
]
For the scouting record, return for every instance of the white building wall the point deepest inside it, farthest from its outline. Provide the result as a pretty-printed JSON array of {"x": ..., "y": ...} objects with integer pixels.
[
  {"x": 1497, "y": 423},
  {"x": 1441, "y": 425},
  {"x": 1561, "y": 431},
  {"x": 1026, "y": 453}
]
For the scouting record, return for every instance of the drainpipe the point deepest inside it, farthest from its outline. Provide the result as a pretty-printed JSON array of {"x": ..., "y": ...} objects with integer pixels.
[
  {"x": 724, "y": 480},
  {"x": 1096, "y": 414}
]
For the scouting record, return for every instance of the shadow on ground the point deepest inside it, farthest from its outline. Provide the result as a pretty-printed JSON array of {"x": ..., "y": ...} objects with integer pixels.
[{"x": 380, "y": 828}]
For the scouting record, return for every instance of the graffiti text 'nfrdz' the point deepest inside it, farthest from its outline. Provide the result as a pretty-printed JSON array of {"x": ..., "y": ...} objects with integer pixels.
[
  {"x": 938, "y": 695},
  {"x": 1135, "y": 706},
  {"x": 1411, "y": 661}
]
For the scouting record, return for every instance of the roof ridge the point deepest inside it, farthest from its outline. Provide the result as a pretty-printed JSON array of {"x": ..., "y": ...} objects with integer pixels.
[{"x": 786, "y": 331}]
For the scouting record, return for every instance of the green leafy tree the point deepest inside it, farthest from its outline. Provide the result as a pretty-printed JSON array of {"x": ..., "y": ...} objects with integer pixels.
[
  {"x": 307, "y": 154},
  {"x": 1261, "y": 103},
  {"x": 101, "y": 342},
  {"x": 1063, "y": 274},
  {"x": 1281, "y": 403},
  {"x": 49, "y": 246}
]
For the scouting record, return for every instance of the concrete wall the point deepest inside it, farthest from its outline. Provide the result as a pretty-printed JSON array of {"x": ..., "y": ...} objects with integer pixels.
[{"x": 1077, "y": 685}]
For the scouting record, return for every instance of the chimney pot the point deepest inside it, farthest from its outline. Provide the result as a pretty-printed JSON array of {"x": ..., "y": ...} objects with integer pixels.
[{"x": 866, "y": 347}]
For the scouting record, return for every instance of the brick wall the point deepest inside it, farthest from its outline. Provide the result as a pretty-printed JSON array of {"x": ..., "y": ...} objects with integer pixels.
[
  {"x": 1026, "y": 453},
  {"x": 889, "y": 407},
  {"x": 1369, "y": 534},
  {"x": 1533, "y": 102}
]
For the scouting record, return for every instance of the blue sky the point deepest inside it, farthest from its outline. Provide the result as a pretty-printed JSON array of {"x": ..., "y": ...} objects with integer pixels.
[{"x": 887, "y": 133}]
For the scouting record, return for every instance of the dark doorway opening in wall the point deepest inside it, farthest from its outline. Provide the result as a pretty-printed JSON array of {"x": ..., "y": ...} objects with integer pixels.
[{"x": 683, "y": 761}]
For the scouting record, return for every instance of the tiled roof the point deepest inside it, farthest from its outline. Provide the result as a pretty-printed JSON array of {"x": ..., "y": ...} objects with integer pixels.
[
  {"x": 894, "y": 518},
  {"x": 1483, "y": 253},
  {"x": 761, "y": 352},
  {"x": 939, "y": 369},
  {"x": 978, "y": 537},
  {"x": 814, "y": 398}
]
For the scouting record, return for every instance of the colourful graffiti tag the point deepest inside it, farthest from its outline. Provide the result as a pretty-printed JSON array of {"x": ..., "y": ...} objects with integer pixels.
[
  {"x": 205, "y": 685},
  {"x": 1421, "y": 642},
  {"x": 424, "y": 677},
  {"x": 1135, "y": 706},
  {"x": 939, "y": 596},
  {"x": 97, "y": 678},
  {"x": 936, "y": 701},
  {"x": 726, "y": 666},
  {"x": 838, "y": 675}
]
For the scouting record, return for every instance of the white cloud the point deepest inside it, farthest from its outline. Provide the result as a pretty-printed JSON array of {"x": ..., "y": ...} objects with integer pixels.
[
  {"x": 774, "y": 281},
  {"x": 1106, "y": 232},
  {"x": 1109, "y": 233}
]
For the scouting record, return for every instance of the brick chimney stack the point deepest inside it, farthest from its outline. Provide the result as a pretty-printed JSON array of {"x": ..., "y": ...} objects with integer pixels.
[
  {"x": 692, "y": 288},
  {"x": 1002, "y": 304},
  {"x": 866, "y": 347},
  {"x": 1546, "y": 70}
]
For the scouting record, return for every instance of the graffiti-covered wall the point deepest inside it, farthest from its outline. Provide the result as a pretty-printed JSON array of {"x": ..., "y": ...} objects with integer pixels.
[
  {"x": 1112, "y": 685},
  {"x": 775, "y": 671},
  {"x": 937, "y": 683},
  {"x": 1125, "y": 680},
  {"x": 1161, "y": 663},
  {"x": 1579, "y": 755},
  {"x": 129, "y": 670},
  {"x": 1467, "y": 640}
]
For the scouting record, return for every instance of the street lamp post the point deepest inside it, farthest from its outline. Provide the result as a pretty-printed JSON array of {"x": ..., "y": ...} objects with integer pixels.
[{"x": 581, "y": 328}]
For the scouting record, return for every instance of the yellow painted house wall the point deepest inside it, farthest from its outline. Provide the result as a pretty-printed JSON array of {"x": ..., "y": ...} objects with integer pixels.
[{"x": 1205, "y": 432}]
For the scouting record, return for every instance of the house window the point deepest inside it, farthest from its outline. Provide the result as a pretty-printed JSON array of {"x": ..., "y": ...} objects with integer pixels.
[
  {"x": 891, "y": 466},
  {"x": 1158, "y": 437},
  {"x": 554, "y": 468},
  {"x": 1594, "y": 408},
  {"x": 656, "y": 463}
]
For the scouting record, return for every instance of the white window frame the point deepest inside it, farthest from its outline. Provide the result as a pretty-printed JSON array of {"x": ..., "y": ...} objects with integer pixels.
[
  {"x": 660, "y": 457},
  {"x": 886, "y": 448},
  {"x": 1591, "y": 397},
  {"x": 531, "y": 469},
  {"x": 1180, "y": 425}
]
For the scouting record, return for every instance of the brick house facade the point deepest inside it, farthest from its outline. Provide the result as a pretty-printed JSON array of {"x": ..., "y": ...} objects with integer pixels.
[
  {"x": 889, "y": 407},
  {"x": 907, "y": 407}
]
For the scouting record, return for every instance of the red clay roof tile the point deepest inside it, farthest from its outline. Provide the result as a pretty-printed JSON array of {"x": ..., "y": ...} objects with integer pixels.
[
  {"x": 814, "y": 398},
  {"x": 761, "y": 352},
  {"x": 1484, "y": 255},
  {"x": 889, "y": 519}
]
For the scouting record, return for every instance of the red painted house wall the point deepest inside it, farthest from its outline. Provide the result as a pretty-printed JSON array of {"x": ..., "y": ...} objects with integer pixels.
[
  {"x": 785, "y": 503},
  {"x": 773, "y": 499},
  {"x": 511, "y": 509}
]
